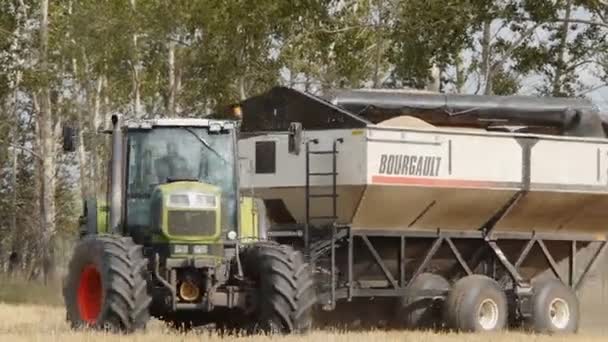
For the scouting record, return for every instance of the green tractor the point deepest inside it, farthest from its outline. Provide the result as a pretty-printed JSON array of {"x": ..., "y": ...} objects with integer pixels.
[{"x": 174, "y": 239}]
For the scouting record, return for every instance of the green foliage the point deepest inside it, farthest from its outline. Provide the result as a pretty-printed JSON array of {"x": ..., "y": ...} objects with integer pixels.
[
  {"x": 199, "y": 55},
  {"x": 505, "y": 83},
  {"x": 427, "y": 32}
]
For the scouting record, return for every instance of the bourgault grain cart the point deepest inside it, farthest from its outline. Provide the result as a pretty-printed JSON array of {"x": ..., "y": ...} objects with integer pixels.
[
  {"x": 176, "y": 240},
  {"x": 461, "y": 210}
]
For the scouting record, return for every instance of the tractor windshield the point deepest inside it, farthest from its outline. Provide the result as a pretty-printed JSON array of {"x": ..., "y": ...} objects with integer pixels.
[{"x": 168, "y": 154}]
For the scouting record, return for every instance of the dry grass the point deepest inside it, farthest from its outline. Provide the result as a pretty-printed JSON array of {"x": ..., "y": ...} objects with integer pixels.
[
  {"x": 33, "y": 312},
  {"x": 47, "y": 323},
  {"x": 16, "y": 290}
]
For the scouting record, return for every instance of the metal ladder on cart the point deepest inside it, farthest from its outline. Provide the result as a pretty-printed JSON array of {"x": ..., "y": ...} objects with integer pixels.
[
  {"x": 316, "y": 174},
  {"x": 324, "y": 245}
]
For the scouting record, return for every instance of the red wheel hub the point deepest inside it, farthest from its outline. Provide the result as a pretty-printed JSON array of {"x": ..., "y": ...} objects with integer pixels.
[{"x": 90, "y": 294}]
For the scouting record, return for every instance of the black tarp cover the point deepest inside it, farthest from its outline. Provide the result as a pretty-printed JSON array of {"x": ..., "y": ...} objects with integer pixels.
[{"x": 277, "y": 108}]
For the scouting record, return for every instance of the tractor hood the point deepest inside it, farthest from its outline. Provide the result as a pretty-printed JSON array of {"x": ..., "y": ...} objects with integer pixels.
[{"x": 187, "y": 211}]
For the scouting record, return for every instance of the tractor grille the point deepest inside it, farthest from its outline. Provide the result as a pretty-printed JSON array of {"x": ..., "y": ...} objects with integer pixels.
[{"x": 191, "y": 222}]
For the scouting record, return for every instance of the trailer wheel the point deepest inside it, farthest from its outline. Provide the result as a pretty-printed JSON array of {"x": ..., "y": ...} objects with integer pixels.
[
  {"x": 419, "y": 311},
  {"x": 284, "y": 289},
  {"x": 476, "y": 303},
  {"x": 555, "y": 308},
  {"x": 105, "y": 286}
]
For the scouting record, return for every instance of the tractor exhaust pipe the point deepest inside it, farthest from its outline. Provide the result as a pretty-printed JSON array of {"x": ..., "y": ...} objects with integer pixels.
[{"x": 116, "y": 176}]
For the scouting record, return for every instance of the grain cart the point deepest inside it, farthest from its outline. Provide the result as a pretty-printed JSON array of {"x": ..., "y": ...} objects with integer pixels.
[
  {"x": 469, "y": 212},
  {"x": 177, "y": 242}
]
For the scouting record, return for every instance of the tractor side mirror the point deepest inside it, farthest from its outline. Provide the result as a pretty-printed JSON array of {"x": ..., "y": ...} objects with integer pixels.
[
  {"x": 295, "y": 138},
  {"x": 69, "y": 138}
]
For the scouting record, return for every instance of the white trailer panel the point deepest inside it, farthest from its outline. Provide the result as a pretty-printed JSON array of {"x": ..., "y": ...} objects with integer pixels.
[{"x": 420, "y": 179}]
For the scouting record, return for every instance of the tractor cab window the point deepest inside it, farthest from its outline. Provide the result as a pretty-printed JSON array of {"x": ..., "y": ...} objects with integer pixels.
[{"x": 169, "y": 154}]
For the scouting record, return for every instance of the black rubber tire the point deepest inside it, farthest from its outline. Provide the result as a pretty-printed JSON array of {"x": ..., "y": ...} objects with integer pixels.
[
  {"x": 117, "y": 269},
  {"x": 285, "y": 289},
  {"x": 544, "y": 293},
  {"x": 465, "y": 299},
  {"x": 420, "y": 312}
]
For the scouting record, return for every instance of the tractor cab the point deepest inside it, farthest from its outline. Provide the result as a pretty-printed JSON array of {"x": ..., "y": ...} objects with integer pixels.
[
  {"x": 181, "y": 185},
  {"x": 171, "y": 240}
]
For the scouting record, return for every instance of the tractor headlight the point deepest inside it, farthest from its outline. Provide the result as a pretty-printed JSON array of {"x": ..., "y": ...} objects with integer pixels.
[
  {"x": 205, "y": 201},
  {"x": 231, "y": 235},
  {"x": 193, "y": 200},
  {"x": 200, "y": 249},
  {"x": 180, "y": 249},
  {"x": 179, "y": 200},
  {"x": 215, "y": 127}
]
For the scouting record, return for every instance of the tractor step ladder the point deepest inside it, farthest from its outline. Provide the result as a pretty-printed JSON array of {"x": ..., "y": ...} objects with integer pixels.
[{"x": 319, "y": 174}]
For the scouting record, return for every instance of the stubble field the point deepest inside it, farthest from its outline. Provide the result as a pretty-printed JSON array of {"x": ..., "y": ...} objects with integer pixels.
[
  {"x": 30, "y": 312},
  {"x": 19, "y": 322}
]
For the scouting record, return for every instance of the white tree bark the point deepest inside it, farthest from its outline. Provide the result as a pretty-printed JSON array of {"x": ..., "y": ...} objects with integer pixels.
[
  {"x": 47, "y": 151},
  {"x": 106, "y": 102},
  {"x": 172, "y": 89},
  {"x": 486, "y": 54},
  {"x": 15, "y": 184},
  {"x": 135, "y": 78},
  {"x": 559, "y": 69},
  {"x": 82, "y": 127},
  {"x": 97, "y": 122},
  {"x": 82, "y": 158},
  {"x": 178, "y": 89},
  {"x": 460, "y": 75},
  {"x": 20, "y": 17},
  {"x": 379, "y": 47},
  {"x": 435, "y": 85},
  {"x": 242, "y": 88},
  {"x": 136, "y": 91}
]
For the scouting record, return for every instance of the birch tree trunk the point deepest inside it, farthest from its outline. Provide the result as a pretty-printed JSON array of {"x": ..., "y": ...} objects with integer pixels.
[
  {"x": 178, "y": 89},
  {"x": 242, "y": 90},
  {"x": 82, "y": 153},
  {"x": 47, "y": 152},
  {"x": 460, "y": 75},
  {"x": 16, "y": 236},
  {"x": 13, "y": 261},
  {"x": 96, "y": 125},
  {"x": 82, "y": 158},
  {"x": 486, "y": 53},
  {"x": 561, "y": 65},
  {"x": 435, "y": 84},
  {"x": 107, "y": 109},
  {"x": 379, "y": 47},
  {"x": 172, "y": 89},
  {"x": 135, "y": 71}
]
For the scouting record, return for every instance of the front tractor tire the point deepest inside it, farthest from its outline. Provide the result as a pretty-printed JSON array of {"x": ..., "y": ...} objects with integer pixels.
[
  {"x": 105, "y": 287},
  {"x": 284, "y": 289}
]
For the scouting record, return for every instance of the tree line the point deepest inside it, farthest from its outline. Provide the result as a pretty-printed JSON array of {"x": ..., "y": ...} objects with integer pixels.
[{"x": 80, "y": 61}]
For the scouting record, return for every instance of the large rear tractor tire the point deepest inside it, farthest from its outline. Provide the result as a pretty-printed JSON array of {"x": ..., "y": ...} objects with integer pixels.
[
  {"x": 476, "y": 303},
  {"x": 555, "y": 308},
  {"x": 105, "y": 287},
  {"x": 284, "y": 286},
  {"x": 420, "y": 311}
]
